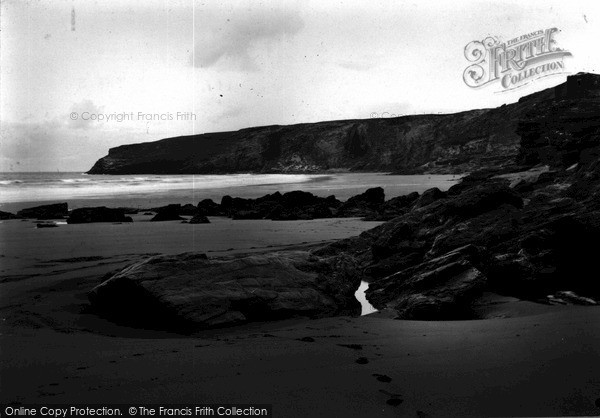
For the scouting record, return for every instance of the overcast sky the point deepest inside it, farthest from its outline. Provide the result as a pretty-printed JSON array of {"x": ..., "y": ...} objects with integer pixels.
[{"x": 236, "y": 64}]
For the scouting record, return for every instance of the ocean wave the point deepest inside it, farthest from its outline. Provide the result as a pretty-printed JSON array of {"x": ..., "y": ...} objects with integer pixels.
[{"x": 74, "y": 180}]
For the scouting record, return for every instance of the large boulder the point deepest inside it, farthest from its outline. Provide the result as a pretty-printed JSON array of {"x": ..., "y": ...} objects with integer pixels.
[
  {"x": 97, "y": 214},
  {"x": 191, "y": 291},
  {"x": 168, "y": 213},
  {"x": 53, "y": 211}
]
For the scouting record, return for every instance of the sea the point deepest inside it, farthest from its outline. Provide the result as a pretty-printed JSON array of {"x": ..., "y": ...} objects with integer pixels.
[{"x": 20, "y": 190}]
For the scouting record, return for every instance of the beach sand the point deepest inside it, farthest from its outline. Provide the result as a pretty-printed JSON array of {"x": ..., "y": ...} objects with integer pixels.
[{"x": 523, "y": 359}]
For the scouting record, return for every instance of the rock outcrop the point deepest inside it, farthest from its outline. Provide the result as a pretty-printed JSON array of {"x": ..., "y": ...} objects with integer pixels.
[
  {"x": 7, "y": 215},
  {"x": 53, "y": 211},
  {"x": 189, "y": 291},
  {"x": 366, "y": 204},
  {"x": 289, "y": 206}
]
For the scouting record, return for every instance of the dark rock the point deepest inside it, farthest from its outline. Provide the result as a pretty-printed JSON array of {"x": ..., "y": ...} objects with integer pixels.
[
  {"x": 53, "y": 211},
  {"x": 188, "y": 210},
  {"x": 293, "y": 205},
  {"x": 188, "y": 290},
  {"x": 480, "y": 199},
  {"x": 97, "y": 214},
  {"x": 168, "y": 213},
  {"x": 298, "y": 198},
  {"x": 394, "y": 207},
  {"x": 559, "y": 133},
  {"x": 7, "y": 215},
  {"x": 209, "y": 208},
  {"x": 365, "y": 204},
  {"x": 523, "y": 186},
  {"x": 429, "y": 196},
  {"x": 438, "y": 289},
  {"x": 199, "y": 219},
  {"x": 575, "y": 298},
  {"x": 46, "y": 225}
]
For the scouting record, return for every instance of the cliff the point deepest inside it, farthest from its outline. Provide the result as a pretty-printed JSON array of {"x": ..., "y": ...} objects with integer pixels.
[{"x": 450, "y": 143}]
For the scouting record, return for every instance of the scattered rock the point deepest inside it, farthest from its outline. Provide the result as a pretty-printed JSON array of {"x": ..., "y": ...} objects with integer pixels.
[
  {"x": 46, "y": 225},
  {"x": 199, "y": 219},
  {"x": 97, "y": 214},
  {"x": 168, "y": 213}
]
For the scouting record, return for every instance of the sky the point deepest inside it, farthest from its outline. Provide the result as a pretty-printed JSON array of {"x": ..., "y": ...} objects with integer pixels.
[{"x": 79, "y": 77}]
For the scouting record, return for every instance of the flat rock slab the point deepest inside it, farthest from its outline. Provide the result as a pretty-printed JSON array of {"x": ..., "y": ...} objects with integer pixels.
[{"x": 191, "y": 290}]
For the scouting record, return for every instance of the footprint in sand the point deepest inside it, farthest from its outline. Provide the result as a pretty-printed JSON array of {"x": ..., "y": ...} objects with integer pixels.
[
  {"x": 394, "y": 401},
  {"x": 362, "y": 360},
  {"x": 352, "y": 346},
  {"x": 382, "y": 377},
  {"x": 395, "y": 398}
]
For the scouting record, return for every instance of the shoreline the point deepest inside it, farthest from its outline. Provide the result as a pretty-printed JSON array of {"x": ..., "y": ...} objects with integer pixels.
[{"x": 342, "y": 186}]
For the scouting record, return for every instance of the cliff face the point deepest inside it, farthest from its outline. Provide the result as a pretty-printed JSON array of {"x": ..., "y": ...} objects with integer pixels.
[{"x": 452, "y": 143}]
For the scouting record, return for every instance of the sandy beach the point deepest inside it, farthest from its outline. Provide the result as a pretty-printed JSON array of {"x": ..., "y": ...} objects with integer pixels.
[
  {"x": 531, "y": 365},
  {"x": 530, "y": 359}
]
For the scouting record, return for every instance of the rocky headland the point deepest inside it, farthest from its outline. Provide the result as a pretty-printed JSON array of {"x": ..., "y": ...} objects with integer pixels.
[{"x": 434, "y": 143}]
